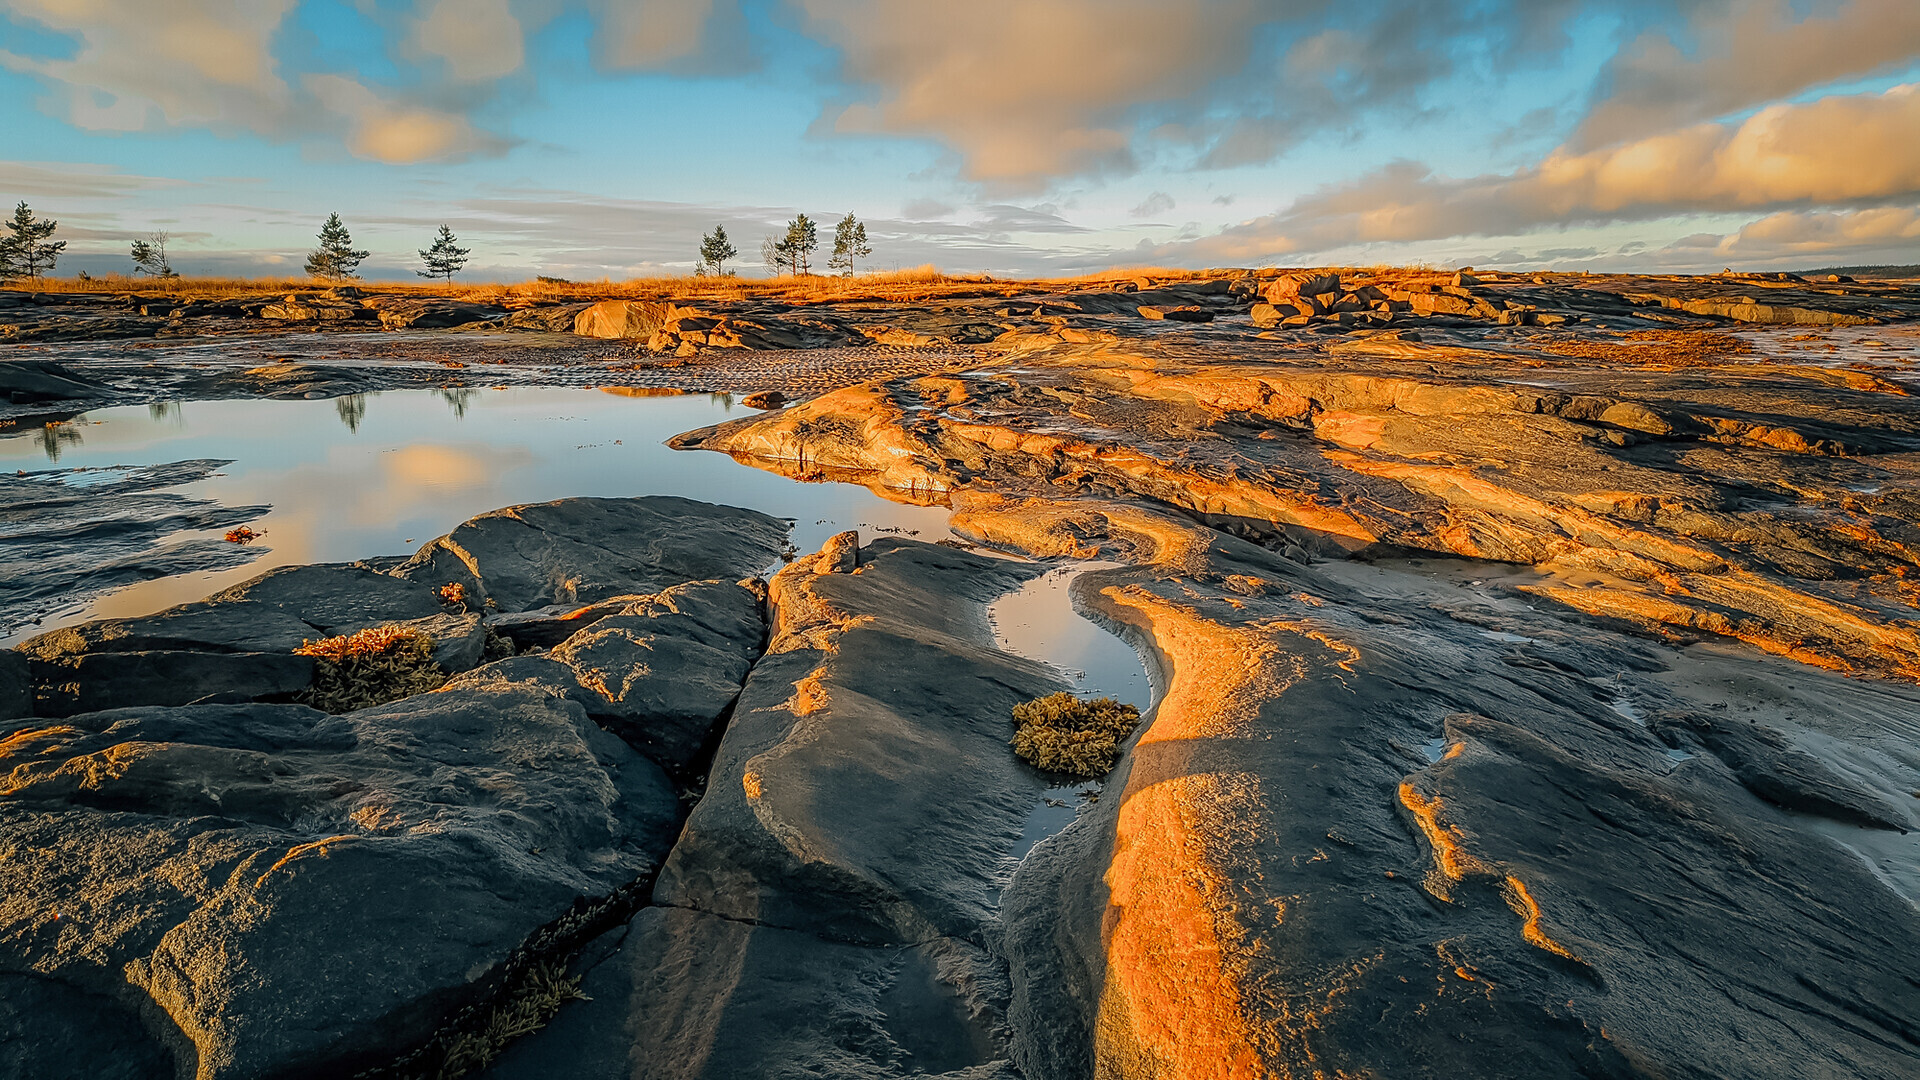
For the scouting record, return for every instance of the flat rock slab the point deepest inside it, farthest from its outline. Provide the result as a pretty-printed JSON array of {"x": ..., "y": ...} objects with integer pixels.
[
  {"x": 274, "y": 890},
  {"x": 578, "y": 551}
]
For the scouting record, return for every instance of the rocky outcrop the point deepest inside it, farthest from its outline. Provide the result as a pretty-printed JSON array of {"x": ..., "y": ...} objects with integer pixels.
[
  {"x": 578, "y": 551},
  {"x": 1358, "y": 836},
  {"x": 264, "y": 890},
  {"x": 273, "y": 891},
  {"x": 829, "y": 907},
  {"x": 1764, "y": 505}
]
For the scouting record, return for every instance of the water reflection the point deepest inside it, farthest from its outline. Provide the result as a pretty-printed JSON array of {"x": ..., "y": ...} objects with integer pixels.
[
  {"x": 352, "y": 410},
  {"x": 167, "y": 410},
  {"x": 458, "y": 398},
  {"x": 375, "y": 474},
  {"x": 56, "y": 436}
]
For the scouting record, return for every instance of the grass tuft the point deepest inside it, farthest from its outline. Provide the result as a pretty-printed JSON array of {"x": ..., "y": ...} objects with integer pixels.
[
  {"x": 1060, "y": 733},
  {"x": 369, "y": 667},
  {"x": 534, "y": 1004}
]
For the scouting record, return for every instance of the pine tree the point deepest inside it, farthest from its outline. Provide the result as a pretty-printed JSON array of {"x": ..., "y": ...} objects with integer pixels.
[
  {"x": 24, "y": 251},
  {"x": 335, "y": 258},
  {"x": 803, "y": 238},
  {"x": 150, "y": 256},
  {"x": 715, "y": 250},
  {"x": 445, "y": 258},
  {"x": 849, "y": 243}
]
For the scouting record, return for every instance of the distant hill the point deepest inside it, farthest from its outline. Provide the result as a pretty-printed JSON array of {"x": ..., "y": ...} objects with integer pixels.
[{"x": 1867, "y": 271}]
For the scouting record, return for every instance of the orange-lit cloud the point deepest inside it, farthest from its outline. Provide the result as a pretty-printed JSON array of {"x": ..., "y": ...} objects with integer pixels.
[
  {"x": 1848, "y": 150},
  {"x": 478, "y": 39}
]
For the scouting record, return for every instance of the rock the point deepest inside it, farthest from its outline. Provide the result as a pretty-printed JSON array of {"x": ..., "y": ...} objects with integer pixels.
[
  {"x": 274, "y": 891},
  {"x": 16, "y": 685},
  {"x": 30, "y": 382},
  {"x": 764, "y": 399},
  {"x": 1183, "y": 313},
  {"x": 552, "y": 318},
  {"x": 1763, "y": 760},
  {"x": 292, "y": 310},
  {"x": 840, "y": 554},
  {"x": 93, "y": 681},
  {"x": 337, "y": 598},
  {"x": 824, "y": 910},
  {"x": 579, "y": 551},
  {"x": 665, "y": 671},
  {"x": 1557, "y": 856},
  {"x": 1289, "y": 287},
  {"x": 430, "y": 313},
  {"x": 621, "y": 319}
]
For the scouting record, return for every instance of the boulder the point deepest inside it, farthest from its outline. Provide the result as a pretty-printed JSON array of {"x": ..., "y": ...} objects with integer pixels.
[
  {"x": 764, "y": 399},
  {"x": 621, "y": 319},
  {"x": 89, "y": 682},
  {"x": 1287, "y": 287},
  {"x": 579, "y": 551},
  {"x": 430, "y": 314},
  {"x": 272, "y": 891}
]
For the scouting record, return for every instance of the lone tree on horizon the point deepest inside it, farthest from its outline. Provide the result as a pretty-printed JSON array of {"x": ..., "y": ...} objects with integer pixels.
[
  {"x": 335, "y": 258},
  {"x": 444, "y": 258},
  {"x": 150, "y": 256},
  {"x": 796, "y": 251},
  {"x": 849, "y": 243},
  {"x": 715, "y": 250},
  {"x": 25, "y": 251}
]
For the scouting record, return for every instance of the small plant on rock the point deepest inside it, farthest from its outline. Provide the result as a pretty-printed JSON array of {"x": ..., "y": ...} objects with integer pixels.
[
  {"x": 369, "y": 667},
  {"x": 1060, "y": 733}
]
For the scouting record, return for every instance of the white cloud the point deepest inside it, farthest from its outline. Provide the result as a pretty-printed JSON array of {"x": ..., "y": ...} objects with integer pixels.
[
  {"x": 398, "y": 133},
  {"x": 478, "y": 39}
]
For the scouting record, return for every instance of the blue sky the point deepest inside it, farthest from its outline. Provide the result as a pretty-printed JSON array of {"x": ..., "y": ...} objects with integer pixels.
[{"x": 599, "y": 138}]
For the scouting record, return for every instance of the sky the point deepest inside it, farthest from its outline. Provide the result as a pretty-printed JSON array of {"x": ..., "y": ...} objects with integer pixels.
[{"x": 591, "y": 139}]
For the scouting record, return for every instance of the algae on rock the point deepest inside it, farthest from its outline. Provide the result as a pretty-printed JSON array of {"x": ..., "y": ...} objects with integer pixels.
[
  {"x": 1060, "y": 733},
  {"x": 369, "y": 667}
]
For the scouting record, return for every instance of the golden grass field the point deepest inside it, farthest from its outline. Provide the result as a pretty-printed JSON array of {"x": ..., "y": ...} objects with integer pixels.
[{"x": 919, "y": 283}]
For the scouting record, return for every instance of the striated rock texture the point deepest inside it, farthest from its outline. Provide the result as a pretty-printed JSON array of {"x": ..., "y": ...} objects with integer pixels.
[
  {"x": 1360, "y": 837},
  {"x": 1764, "y": 502},
  {"x": 830, "y": 907}
]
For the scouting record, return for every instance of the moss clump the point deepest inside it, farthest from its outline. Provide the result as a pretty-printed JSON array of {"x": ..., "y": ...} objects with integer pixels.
[
  {"x": 1060, "y": 733},
  {"x": 369, "y": 667}
]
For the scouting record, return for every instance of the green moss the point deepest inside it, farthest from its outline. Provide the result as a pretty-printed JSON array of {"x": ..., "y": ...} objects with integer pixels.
[{"x": 1060, "y": 733}]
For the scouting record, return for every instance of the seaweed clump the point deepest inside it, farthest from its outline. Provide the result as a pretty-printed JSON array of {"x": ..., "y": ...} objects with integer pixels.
[
  {"x": 369, "y": 667},
  {"x": 1060, "y": 733}
]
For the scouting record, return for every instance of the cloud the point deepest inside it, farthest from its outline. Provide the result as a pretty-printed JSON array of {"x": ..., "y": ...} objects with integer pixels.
[
  {"x": 685, "y": 37},
  {"x": 926, "y": 209},
  {"x": 1028, "y": 90},
  {"x": 141, "y": 63},
  {"x": 478, "y": 39},
  {"x": 1837, "y": 151},
  {"x": 1735, "y": 56},
  {"x": 1890, "y": 229},
  {"x": 1157, "y": 203},
  {"x": 398, "y": 133},
  {"x": 72, "y": 180}
]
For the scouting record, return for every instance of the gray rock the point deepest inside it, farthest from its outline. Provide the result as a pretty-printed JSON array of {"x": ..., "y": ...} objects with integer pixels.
[
  {"x": 825, "y": 910},
  {"x": 202, "y": 626},
  {"x": 30, "y": 382},
  {"x": 277, "y": 891},
  {"x": 337, "y": 598},
  {"x": 90, "y": 682},
  {"x": 16, "y": 685},
  {"x": 585, "y": 550}
]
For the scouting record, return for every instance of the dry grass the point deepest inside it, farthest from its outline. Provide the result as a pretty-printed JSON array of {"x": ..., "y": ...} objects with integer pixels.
[
  {"x": 1665, "y": 348},
  {"x": 369, "y": 667},
  {"x": 1060, "y": 733},
  {"x": 897, "y": 286}
]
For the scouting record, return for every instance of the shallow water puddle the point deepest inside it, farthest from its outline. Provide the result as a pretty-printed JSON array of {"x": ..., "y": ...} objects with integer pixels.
[
  {"x": 1038, "y": 621},
  {"x": 379, "y": 474}
]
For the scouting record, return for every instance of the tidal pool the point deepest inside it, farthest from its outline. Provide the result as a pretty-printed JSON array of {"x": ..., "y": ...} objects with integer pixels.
[{"x": 379, "y": 474}]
